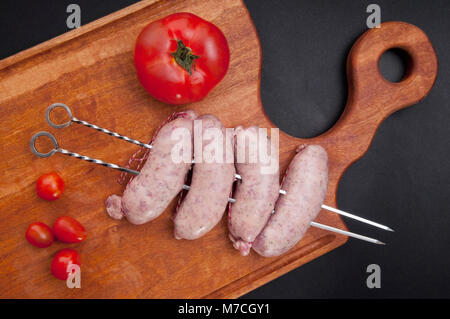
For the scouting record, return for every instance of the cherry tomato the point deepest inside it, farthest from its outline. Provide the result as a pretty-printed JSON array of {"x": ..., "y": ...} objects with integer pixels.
[
  {"x": 62, "y": 260},
  {"x": 69, "y": 230},
  {"x": 180, "y": 58},
  {"x": 39, "y": 234},
  {"x": 49, "y": 186}
]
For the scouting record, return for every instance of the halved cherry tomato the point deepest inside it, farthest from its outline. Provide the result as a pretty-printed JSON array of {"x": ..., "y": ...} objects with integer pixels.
[
  {"x": 49, "y": 186},
  {"x": 62, "y": 260},
  {"x": 39, "y": 234},
  {"x": 69, "y": 230},
  {"x": 180, "y": 58}
]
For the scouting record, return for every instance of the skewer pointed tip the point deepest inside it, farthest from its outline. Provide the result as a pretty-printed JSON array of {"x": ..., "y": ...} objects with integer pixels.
[
  {"x": 380, "y": 243},
  {"x": 390, "y": 229}
]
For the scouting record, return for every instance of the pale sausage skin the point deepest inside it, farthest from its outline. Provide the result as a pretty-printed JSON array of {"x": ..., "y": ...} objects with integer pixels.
[
  {"x": 306, "y": 184},
  {"x": 160, "y": 180},
  {"x": 205, "y": 202},
  {"x": 255, "y": 194}
]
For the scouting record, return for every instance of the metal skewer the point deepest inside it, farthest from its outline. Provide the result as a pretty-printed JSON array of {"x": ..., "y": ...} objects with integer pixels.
[
  {"x": 342, "y": 213},
  {"x": 73, "y": 119},
  {"x": 57, "y": 149},
  {"x": 326, "y": 227},
  {"x": 347, "y": 233},
  {"x": 352, "y": 216},
  {"x": 125, "y": 138}
]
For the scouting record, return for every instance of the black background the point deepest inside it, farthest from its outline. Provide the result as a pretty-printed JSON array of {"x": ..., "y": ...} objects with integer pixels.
[{"x": 402, "y": 181}]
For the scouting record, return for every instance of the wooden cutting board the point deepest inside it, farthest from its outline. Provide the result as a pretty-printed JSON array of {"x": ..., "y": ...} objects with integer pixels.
[{"x": 91, "y": 70}]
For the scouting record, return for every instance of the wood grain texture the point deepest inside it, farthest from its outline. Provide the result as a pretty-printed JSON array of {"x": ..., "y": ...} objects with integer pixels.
[{"x": 91, "y": 70}]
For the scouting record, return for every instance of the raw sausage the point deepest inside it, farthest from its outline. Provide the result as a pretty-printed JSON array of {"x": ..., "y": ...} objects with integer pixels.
[
  {"x": 160, "y": 180},
  {"x": 306, "y": 184},
  {"x": 256, "y": 194},
  {"x": 212, "y": 180}
]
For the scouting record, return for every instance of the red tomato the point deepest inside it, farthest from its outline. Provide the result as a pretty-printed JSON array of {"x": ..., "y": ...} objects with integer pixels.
[
  {"x": 49, "y": 186},
  {"x": 62, "y": 260},
  {"x": 39, "y": 234},
  {"x": 180, "y": 58},
  {"x": 69, "y": 230}
]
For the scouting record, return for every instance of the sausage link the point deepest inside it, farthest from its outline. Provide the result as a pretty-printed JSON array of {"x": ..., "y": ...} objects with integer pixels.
[
  {"x": 160, "y": 180},
  {"x": 306, "y": 184},
  {"x": 212, "y": 180},
  {"x": 255, "y": 194}
]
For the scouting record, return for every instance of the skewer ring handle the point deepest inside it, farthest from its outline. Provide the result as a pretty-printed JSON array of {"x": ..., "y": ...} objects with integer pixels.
[
  {"x": 51, "y": 108},
  {"x": 52, "y": 139}
]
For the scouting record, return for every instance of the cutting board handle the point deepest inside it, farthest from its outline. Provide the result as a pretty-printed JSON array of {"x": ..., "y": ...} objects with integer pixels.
[
  {"x": 368, "y": 87},
  {"x": 371, "y": 98}
]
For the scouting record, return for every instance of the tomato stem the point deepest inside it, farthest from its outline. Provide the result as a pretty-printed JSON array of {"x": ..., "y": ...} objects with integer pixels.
[{"x": 184, "y": 57}]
